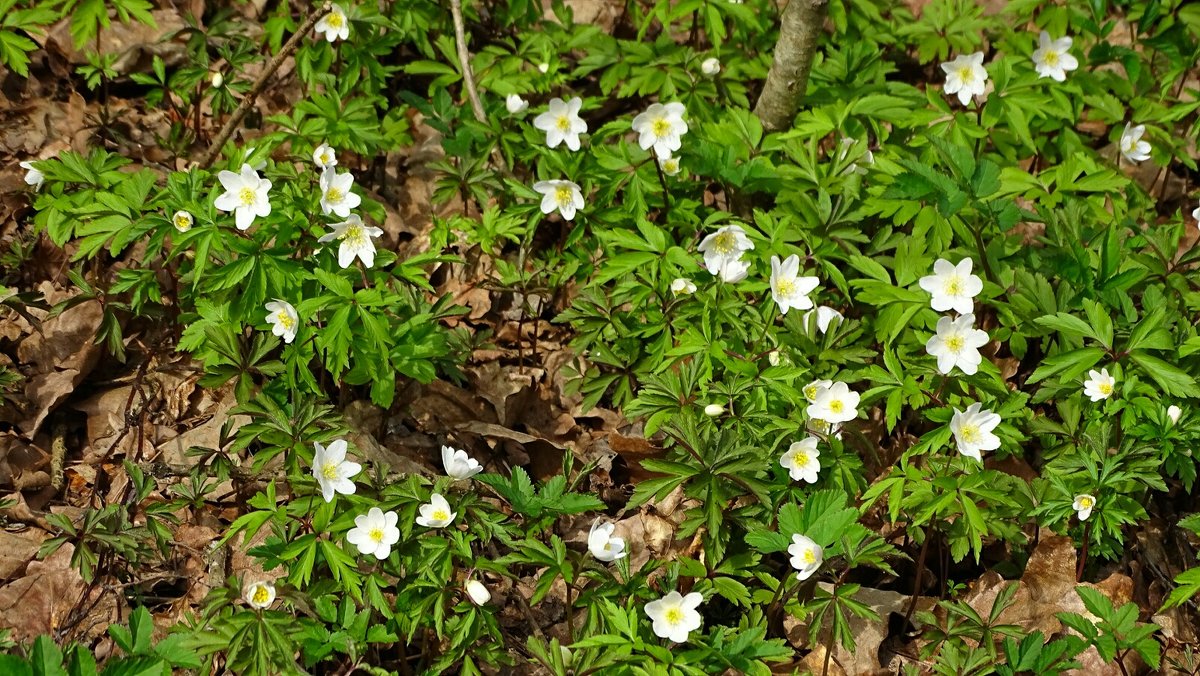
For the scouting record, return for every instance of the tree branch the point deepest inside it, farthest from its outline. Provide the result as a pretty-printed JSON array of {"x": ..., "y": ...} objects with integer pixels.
[
  {"x": 799, "y": 32},
  {"x": 464, "y": 60}
]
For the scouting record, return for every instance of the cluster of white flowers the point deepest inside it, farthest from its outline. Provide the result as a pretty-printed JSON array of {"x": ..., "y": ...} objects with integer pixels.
[
  {"x": 956, "y": 341},
  {"x": 723, "y": 251}
]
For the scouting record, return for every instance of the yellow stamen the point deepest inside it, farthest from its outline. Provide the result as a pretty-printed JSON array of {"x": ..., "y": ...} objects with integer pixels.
[
  {"x": 285, "y": 320},
  {"x": 966, "y": 74},
  {"x": 376, "y": 534},
  {"x": 330, "y": 470},
  {"x": 809, "y": 557},
  {"x": 563, "y": 123},
  {"x": 953, "y": 287},
  {"x": 334, "y": 195},
  {"x": 563, "y": 195},
  {"x": 261, "y": 595},
  {"x": 955, "y": 343},
  {"x": 969, "y": 433},
  {"x": 674, "y": 616},
  {"x": 660, "y": 127},
  {"x": 837, "y": 406},
  {"x": 440, "y": 515},
  {"x": 247, "y": 197}
]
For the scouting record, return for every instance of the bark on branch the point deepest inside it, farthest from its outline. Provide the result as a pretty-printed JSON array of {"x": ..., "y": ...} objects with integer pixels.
[{"x": 800, "y": 30}]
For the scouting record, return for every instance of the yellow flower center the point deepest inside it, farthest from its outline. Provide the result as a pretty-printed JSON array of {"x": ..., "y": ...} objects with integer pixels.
[
  {"x": 376, "y": 534},
  {"x": 966, "y": 74},
  {"x": 330, "y": 470},
  {"x": 800, "y": 459},
  {"x": 563, "y": 123},
  {"x": 955, "y": 343},
  {"x": 562, "y": 195},
  {"x": 786, "y": 286},
  {"x": 661, "y": 126},
  {"x": 810, "y": 392},
  {"x": 247, "y": 197},
  {"x": 1105, "y": 388},
  {"x": 608, "y": 546},
  {"x": 354, "y": 235},
  {"x": 837, "y": 406},
  {"x": 261, "y": 595},
  {"x": 440, "y": 515},
  {"x": 326, "y": 157},
  {"x": 809, "y": 557},
  {"x": 182, "y": 222},
  {"x": 334, "y": 195},
  {"x": 674, "y": 616},
  {"x": 336, "y": 20},
  {"x": 723, "y": 243},
  {"x": 1085, "y": 502},
  {"x": 969, "y": 433},
  {"x": 1050, "y": 58},
  {"x": 285, "y": 320},
  {"x": 953, "y": 287},
  {"x": 671, "y": 165}
]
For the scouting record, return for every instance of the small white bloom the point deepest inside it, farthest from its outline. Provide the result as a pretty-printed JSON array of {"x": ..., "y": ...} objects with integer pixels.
[
  {"x": 332, "y": 470},
  {"x": 603, "y": 544},
  {"x": 565, "y": 196},
  {"x": 1083, "y": 505},
  {"x": 478, "y": 593},
  {"x": 324, "y": 157},
  {"x": 683, "y": 287},
  {"x": 972, "y": 431},
  {"x": 814, "y": 388},
  {"x": 952, "y": 287},
  {"x": 957, "y": 343},
  {"x": 724, "y": 247},
  {"x": 436, "y": 513},
  {"x": 357, "y": 240},
  {"x": 834, "y": 404},
  {"x": 824, "y": 428},
  {"x": 374, "y": 533},
  {"x": 259, "y": 595},
  {"x": 283, "y": 319},
  {"x": 661, "y": 127},
  {"x": 1133, "y": 148},
  {"x": 734, "y": 271},
  {"x": 334, "y": 25},
  {"x": 774, "y": 358},
  {"x": 711, "y": 66},
  {"x": 868, "y": 157},
  {"x": 515, "y": 104},
  {"x": 669, "y": 165},
  {"x": 1195, "y": 214},
  {"x": 561, "y": 122},
  {"x": 1173, "y": 413},
  {"x": 802, "y": 460},
  {"x": 714, "y": 410},
  {"x": 33, "y": 177},
  {"x": 675, "y": 616},
  {"x": 336, "y": 196},
  {"x": 459, "y": 465},
  {"x": 1099, "y": 385},
  {"x": 807, "y": 556},
  {"x": 825, "y": 317},
  {"x": 1052, "y": 58},
  {"x": 245, "y": 195},
  {"x": 217, "y": 79},
  {"x": 965, "y": 76},
  {"x": 788, "y": 288},
  {"x": 543, "y": 68},
  {"x": 182, "y": 221}
]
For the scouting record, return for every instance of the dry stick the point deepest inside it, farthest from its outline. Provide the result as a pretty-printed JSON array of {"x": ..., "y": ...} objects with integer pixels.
[
  {"x": 252, "y": 95},
  {"x": 464, "y": 59},
  {"x": 58, "y": 453},
  {"x": 800, "y": 29}
]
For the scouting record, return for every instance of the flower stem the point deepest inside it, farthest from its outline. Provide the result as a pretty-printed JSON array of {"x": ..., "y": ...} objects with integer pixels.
[
  {"x": 662, "y": 180},
  {"x": 1087, "y": 536}
]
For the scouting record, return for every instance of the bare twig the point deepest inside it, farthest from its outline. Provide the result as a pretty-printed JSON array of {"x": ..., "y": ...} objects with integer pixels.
[
  {"x": 251, "y": 96},
  {"x": 58, "y": 453},
  {"x": 464, "y": 60},
  {"x": 799, "y": 31}
]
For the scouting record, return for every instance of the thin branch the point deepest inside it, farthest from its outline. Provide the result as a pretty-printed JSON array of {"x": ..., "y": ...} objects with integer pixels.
[
  {"x": 464, "y": 60},
  {"x": 252, "y": 95},
  {"x": 799, "y": 32}
]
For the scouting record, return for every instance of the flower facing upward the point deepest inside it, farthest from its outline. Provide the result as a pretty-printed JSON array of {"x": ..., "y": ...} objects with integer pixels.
[
  {"x": 459, "y": 465},
  {"x": 335, "y": 193},
  {"x": 802, "y": 460},
  {"x": 374, "y": 533},
  {"x": 972, "y": 431},
  {"x": 1099, "y": 385},
  {"x": 357, "y": 240},
  {"x": 965, "y": 76},
  {"x": 182, "y": 221},
  {"x": 661, "y": 127},
  {"x": 259, "y": 595},
  {"x": 332, "y": 470},
  {"x": 603, "y": 544},
  {"x": 814, "y": 388},
  {"x": 806, "y": 556},
  {"x": 788, "y": 288},
  {"x": 683, "y": 287},
  {"x": 675, "y": 616},
  {"x": 562, "y": 123},
  {"x": 1052, "y": 58},
  {"x": 825, "y": 317},
  {"x": 957, "y": 343},
  {"x": 565, "y": 196},
  {"x": 711, "y": 66},
  {"x": 952, "y": 287},
  {"x": 1133, "y": 148},
  {"x": 515, "y": 104},
  {"x": 245, "y": 195},
  {"x": 436, "y": 513},
  {"x": 723, "y": 248},
  {"x": 334, "y": 25},
  {"x": 1083, "y": 505},
  {"x": 33, "y": 177},
  {"x": 834, "y": 404},
  {"x": 669, "y": 165},
  {"x": 478, "y": 593},
  {"x": 324, "y": 157},
  {"x": 283, "y": 319}
]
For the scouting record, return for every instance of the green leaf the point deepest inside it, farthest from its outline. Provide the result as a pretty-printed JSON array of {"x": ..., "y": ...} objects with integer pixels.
[{"x": 1171, "y": 379}]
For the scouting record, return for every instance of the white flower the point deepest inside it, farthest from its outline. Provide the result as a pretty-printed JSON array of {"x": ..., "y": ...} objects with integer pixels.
[
  {"x": 182, "y": 221},
  {"x": 33, "y": 177},
  {"x": 259, "y": 595},
  {"x": 788, "y": 289},
  {"x": 217, "y": 79},
  {"x": 374, "y": 533},
  {"x": 1083, "y": 505},
  {"x": 565, "y": 196},
  {"x": 1133, "y": 148},
  {"x": 1052, "y": 58},
  {"x": 1195, "y": 214},
  {"x": 324, "y": 157},
  {"x": 711, "y": 66},
  {"x": 957, "y": 343},
  {"x": 823, "y": 428},
  {"x": 965, "y": 76},
  {"x": 603, "y": 544},
  {"x": 675, "y": 616},
  {"x": 952, "y": 287},
  {"x": 774, "y": 358},
  {"x": 245, "y": 195},
  {"x": 543, "y": 68},
  {"x": 714, "y": 410},
  {"x": 436, "y": 513},
  {"x": 356, "y": 240},
  {"x": 723, "y": 247},
  {"x": 661, "y": 127},
  {"x": 806, "y": 556},
  {"x": 972, "y": 431},
  {"x": 801, "y": 460},
  {"x": 669, "y": 165},
  {"x": 825, "y": 316},
  {"x": 515, "y": 104},
  {"x": 834, "y": 404},
  {"x": 336, "y": 196},
  {"x": 561, "y": 122},
  {"x": 332, "y": 470},
  {"x": 734, "y": 271},
  {"x": 334, "y": 25},
  {"x": 1099, "y": 385},
  {"x": 868, "y": 157},
  {"x": 814, "y": 388},
  {"x": 683, "y": 287},
  {"x": 283, "y": 319},
  {"x": 478, "y": 593},
  {"x": 459, "y": 465},
  {"x": 1173, "y": 413}
]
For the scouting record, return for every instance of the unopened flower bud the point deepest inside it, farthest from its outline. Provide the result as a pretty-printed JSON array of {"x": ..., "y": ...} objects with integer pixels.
[{"x": 713, "y": 410}]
